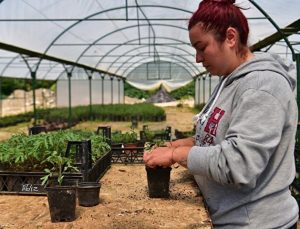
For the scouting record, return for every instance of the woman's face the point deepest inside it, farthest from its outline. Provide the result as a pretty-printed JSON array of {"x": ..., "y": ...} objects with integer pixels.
[{"x": 214, "y": 56}]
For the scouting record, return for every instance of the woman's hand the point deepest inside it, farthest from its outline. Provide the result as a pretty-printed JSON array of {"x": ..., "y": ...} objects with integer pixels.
[
  {"x": 159, "y": 156},
  {"x": 190, "y": 141}
]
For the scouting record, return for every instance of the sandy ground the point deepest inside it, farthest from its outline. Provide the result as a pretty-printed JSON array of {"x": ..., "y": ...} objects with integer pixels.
[{"x": 124, "y": 203}]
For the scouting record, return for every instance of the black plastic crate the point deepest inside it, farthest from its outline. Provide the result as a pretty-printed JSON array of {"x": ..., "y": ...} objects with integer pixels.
[{"x": 29, "y": 183}]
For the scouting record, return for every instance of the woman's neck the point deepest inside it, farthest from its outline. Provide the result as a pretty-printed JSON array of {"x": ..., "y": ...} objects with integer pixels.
[{"x": 239, "y": 60}]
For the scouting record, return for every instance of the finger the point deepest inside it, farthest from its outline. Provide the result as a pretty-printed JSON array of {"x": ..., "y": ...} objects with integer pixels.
[
  {"x": 145, "y": 159},
  {"x": 151, "y": 166}
]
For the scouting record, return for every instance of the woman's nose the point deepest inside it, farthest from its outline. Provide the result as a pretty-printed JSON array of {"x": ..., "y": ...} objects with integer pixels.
[{"x": 199, "y": 58}]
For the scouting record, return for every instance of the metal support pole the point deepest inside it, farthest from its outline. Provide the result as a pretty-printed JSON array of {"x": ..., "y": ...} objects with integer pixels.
[
  {"x": 69, "y": 74},
  {"x": 111, "y": 90},
  {"x": 25, "y": 98},
  {"x": 33, "y": 81},
  {"x": 119, "y": 91},
  {"x": 123, "y": 91},
  {"x": 102, "y": 89},
  {"x": 90, "y": 92},
  {"x": 126, "y": 7}
]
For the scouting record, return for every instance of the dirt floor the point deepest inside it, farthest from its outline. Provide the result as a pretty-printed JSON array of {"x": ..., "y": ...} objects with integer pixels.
[{"x": 124, "y": 203}]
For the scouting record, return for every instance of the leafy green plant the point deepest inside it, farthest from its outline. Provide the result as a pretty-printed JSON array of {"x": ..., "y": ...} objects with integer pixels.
[
  {"x": 155, "y": 135},
  {"x": 156, "y": 143},
  {"x": 25, "y": 153},
  {"x": 60, "y": 164},
  {"x": 149, "y": 135},
  {"x": 127, "y": 137},
  {"x": 98, "y": 142}
]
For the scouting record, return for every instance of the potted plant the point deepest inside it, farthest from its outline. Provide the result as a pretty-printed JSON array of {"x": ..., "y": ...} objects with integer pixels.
[
  {"x": 130, "y": 139},
  {"x": 158, "y": 178},
  {"x": 146, "y": 135},
  {"x": 129, "y": 142},
  {"x": 117, "y": 139},
  {"x": 126, "y": 138},
  {"x": 61, "y": 197}
]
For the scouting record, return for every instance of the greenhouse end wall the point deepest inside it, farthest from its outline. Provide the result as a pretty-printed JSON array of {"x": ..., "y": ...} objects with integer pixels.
[{"x": 104, "y": 91}]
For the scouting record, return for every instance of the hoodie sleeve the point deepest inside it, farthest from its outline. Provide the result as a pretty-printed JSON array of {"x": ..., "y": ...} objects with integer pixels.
[{"x": 254, "y": 133}]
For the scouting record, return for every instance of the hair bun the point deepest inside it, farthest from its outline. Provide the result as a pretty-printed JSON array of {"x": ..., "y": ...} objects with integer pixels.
[{"x": 221, "y": 1}]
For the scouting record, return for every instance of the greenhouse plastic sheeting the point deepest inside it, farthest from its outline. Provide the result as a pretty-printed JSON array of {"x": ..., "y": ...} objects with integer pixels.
[
  {"x": 117, "y": 36},
  {"x": 104, "y": 91}
]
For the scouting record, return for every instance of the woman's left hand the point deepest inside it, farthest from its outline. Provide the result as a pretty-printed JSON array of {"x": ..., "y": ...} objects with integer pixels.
[{"x": 160, "y": 156}]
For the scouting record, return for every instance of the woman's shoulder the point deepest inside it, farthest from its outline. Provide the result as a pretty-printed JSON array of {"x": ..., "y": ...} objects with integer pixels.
[{"x": 268, "y": 81}]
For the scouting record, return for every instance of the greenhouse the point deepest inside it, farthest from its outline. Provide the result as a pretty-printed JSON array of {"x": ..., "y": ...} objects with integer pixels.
[{"x": 65, "y": 71}]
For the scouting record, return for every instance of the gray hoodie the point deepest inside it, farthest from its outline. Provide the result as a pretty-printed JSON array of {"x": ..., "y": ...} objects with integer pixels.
[{"x": 243, "y": 160}]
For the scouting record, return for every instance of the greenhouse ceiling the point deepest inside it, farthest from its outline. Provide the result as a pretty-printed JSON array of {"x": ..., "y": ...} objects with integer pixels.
[{"x": 114, "y": 37}]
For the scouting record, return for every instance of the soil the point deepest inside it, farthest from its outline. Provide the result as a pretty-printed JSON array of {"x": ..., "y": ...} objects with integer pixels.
[{"x": 124, "y": 203}]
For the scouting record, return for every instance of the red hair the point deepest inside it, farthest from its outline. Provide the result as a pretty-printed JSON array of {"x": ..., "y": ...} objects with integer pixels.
[{"x": 218, "y": 16}]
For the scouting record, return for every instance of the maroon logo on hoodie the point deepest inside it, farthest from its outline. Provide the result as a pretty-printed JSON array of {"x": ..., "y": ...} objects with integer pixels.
[{"x": 213, "y": 121}]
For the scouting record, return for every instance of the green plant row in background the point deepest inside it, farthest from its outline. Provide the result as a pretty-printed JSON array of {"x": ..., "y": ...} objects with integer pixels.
[
  {"x": 180, "y": 93},
  {"x": 126, "y": 137},
  {"x": 15, "y": 119},
  {"x": 184, "y": 92},
  {"x": 134, "y": 92},
  {"x": 8, "y": 85},
  {"x": 33, "y": 153},
  {"x": 115, "y": 112}
]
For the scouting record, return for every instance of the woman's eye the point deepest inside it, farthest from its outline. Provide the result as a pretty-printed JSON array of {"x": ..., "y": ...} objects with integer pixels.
[{"x": 201, "y": 49}]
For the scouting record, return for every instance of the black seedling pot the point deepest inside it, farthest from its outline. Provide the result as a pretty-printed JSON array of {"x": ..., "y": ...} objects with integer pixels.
[
  {"x": 62, "y": 203},
  {"x": 88, "y": 193},
  {"x": 158, "y": 181}
]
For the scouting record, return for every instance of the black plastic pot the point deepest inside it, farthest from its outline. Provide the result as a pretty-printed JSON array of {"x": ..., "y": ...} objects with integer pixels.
[
  {"x": 62, "y": 203},
  {"x": 88, "y": 193},
  {"x": 158, "y": 182}
]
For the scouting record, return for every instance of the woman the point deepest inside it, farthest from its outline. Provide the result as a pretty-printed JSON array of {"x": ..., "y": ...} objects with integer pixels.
[{"x": 242, "y": 154}]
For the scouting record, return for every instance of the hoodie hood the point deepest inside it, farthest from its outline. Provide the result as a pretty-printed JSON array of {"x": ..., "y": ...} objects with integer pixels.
[
  {"x": 261, "y": 62},
  {"x": 266, "y": 62}
]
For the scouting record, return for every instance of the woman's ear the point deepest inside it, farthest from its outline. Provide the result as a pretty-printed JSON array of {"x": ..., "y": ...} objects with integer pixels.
[{"x": 231, "y": 37}]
